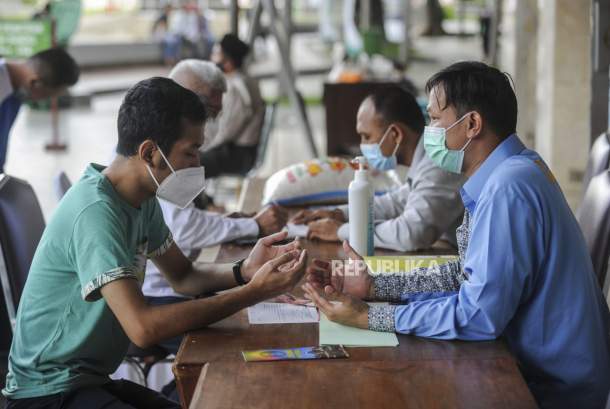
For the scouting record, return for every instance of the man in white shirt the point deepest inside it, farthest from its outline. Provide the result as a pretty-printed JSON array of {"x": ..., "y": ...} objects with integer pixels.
[
  {"x": 233, "y": 148},
  {"x": 193, "y": 228},
  {"x": 426, "y": 208}
]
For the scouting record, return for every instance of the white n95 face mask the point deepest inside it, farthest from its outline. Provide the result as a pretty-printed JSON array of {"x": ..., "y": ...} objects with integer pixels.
[{"x": 181, "y": 187}]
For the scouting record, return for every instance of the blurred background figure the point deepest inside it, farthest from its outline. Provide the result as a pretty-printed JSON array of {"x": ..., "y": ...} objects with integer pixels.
[
  {"x": 44, "y": 75},
  {"x": 184, "y": 33},
  {"x": 233, "y": 149}
]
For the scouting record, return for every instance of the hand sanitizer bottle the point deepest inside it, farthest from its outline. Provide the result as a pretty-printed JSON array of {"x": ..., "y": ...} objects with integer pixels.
[{"x": 360, "y": 204}]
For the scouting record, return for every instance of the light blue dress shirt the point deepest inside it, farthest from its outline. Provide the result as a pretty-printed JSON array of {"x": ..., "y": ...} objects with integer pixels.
[{"x": 527, "y": 275}]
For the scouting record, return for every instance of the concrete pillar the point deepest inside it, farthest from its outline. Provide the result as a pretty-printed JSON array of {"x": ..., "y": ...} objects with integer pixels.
[
  {"x": 518, "y": 58},
  {"x": 563, "y": 90}
]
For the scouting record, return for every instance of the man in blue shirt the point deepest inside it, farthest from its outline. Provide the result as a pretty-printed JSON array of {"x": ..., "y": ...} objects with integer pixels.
[
  {"x": 523, "y": 271},
  {"x": 44, "y": 75}
]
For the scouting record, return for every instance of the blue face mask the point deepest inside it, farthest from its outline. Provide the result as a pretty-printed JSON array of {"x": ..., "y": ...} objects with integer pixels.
[
  {"x": 435, "y": 139},
  {"x": 374, "y": 156}
]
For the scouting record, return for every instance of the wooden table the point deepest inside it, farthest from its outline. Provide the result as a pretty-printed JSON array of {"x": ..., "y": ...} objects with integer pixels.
[{"x": 417, "y": 373}]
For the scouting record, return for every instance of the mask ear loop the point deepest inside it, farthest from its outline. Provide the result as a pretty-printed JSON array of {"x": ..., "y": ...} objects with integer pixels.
[
  {"x": 465, "y": 146},
  {"x": 383, "y": 138},
  {"x": 459, "y": 120},
  {"x": 151, "y": 175},
  {"x": 166, "y": 161}
]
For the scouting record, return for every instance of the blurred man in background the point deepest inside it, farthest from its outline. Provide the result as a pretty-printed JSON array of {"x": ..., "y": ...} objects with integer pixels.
[
  {"x": 233, "y": 148},
  {"x": 44, "y": 75}
]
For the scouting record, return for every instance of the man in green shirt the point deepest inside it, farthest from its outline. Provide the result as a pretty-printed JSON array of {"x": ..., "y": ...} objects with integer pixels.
[{"x": 82, "y": 303}]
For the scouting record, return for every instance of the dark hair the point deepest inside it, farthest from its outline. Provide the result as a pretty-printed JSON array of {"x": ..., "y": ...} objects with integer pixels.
[
  {"x": 234, "y": 49},
  {"x": 475, "y": 86},
  {"x": 154, "y": 109},
  {"x": 55, "y": 67},
  {"x": 394, "y": 104}
]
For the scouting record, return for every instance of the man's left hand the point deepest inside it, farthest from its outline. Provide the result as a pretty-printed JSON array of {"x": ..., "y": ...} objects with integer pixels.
[
  {"x": 265, "y": 250},
  {"x": 345, "y": 309}
]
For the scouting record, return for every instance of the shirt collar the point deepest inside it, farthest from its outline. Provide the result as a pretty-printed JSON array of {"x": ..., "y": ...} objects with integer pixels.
[
  {"x": 472, "y": 188},
  {"x": 95, "y": 171},
  {"x": 418, "y": 155}
]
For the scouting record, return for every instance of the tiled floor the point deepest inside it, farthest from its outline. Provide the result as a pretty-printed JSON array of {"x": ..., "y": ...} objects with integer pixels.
[{"x": 91, "y": 137}]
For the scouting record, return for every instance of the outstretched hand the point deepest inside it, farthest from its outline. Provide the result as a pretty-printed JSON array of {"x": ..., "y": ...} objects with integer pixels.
[
  {"x": 343, "y": 309},
  {"x": 344, "y": 276},
  {"x": 267, "y": 248}
]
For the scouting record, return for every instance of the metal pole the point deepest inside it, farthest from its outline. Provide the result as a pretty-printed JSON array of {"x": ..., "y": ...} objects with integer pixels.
[
  {"x": 255, "y": 24},
  {"x": 287, "y": 16},
  {"x": 405, "y": 47},
  {"x": 365, "y": 15},
  {"x": 600, "y": 63},
  {"x": 234, "y": 12},
  {"x": 280, "y": 33},
  {"x": 55, "y": 144},
  {"x": 494, "y": 28}
]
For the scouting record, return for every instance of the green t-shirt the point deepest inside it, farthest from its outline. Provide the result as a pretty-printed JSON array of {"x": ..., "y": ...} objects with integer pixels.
[{"x": 66, "y": 336}]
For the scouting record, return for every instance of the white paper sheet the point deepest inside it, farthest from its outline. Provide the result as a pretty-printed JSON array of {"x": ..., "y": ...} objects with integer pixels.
[{"x": 280, "y": 313}]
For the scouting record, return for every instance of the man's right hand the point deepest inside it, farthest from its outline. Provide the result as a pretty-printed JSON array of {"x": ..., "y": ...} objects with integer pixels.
[
  {"x": 271, "y": 220},
  {"x": 279, "y": 275},
  {"x": 345, "y": 276},
  {"x": 306, "y": 216}
]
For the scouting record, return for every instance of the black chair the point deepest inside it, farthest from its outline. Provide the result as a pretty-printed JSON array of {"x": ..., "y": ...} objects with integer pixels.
[
  {"x": 61, "y": 184},
  {"x": 263, "y": 143},
  {"x": 594, "y": 219},
  {"x": 144, "y": 359},
  {"x": 598, "y": 159},
  {"x": 21, "y": 227}
]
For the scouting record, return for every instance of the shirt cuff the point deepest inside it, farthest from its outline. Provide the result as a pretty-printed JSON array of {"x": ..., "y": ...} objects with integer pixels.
[
  {"x": 249, "y": 227},
  {"x": 381, "y": 318},
  {"x": 343, "y": 232},
  {"x": 91, "y": 290},
  {"x": 387, "y": 287},
  {"x": 163, "y": 248}
]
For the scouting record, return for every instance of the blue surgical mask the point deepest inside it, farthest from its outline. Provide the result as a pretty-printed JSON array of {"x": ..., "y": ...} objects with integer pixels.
[
  {"x": 374, "y": 156},
  {"x": 435, "y": 143}
]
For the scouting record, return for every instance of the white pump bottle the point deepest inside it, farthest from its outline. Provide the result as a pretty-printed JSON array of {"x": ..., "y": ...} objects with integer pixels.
[{"x": 360, "y": 208}]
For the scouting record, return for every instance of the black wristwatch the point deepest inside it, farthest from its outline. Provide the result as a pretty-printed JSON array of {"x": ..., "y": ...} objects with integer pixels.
[{"x": 237, "y": 272}]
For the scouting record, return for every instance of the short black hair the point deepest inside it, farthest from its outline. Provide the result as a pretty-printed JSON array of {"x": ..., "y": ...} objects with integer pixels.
[
  {"x": 395, "y": 104},
  {"x": 475, "y": 86},
  {"x": 234, "y": 48},
  {"x": 154, "y": 109},
  {"x": 55, "y": 67}
]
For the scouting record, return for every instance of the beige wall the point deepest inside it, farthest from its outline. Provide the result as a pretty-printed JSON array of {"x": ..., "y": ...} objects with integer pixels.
[{"x": 546, "y": 47}]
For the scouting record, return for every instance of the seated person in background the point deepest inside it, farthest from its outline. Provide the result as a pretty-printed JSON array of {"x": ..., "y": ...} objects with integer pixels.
[
  {"x": 192, "y": 228},
  {"x": 82, "y": 303},
  {"x": 233, "y": 148},
  {"x": 524, "y": 266},
  {"x": 44, "y": 75},
  {"x": 426, "y": 208}
]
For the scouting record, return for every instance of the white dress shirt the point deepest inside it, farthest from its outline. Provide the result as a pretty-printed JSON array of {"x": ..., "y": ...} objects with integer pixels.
[
  {"x": 194, "y": 229},
  {"x": 243, "y": 111},
  {"x": 427, "y": 207}
]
